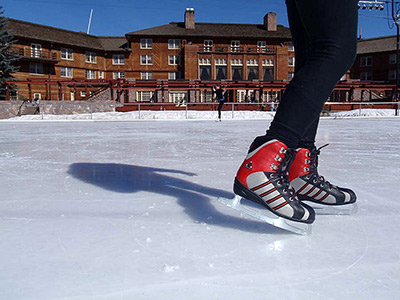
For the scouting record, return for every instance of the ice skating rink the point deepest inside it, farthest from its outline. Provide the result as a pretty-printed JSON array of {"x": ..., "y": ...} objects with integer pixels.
[{"x": 129, "y": 210}]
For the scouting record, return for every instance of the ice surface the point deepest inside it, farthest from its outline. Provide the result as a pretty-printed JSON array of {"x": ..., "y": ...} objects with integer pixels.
[
  {"x": 129, "y": 210},
  {"x": 257, "y": 211}
]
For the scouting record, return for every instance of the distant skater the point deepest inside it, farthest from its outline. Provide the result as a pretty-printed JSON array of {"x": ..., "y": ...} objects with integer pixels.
[
  {"x": 219, "y": 92},
  {"x": 280, "y": 170}
]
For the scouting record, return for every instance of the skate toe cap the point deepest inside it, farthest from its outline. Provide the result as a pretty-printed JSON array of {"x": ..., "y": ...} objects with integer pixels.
[{"x": 350, "y": 196}]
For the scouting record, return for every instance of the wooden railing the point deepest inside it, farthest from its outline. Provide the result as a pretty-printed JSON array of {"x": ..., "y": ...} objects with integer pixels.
[
  {"x": 227, "y": 49},
  {"x": 35, "y": 53}
]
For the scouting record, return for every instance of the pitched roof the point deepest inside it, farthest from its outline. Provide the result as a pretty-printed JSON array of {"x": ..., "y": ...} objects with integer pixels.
[
  {"x": 23, "y": 29},
  {"x": 380, "y": 44},
  {"x": 113, "y": 43},
  {"x": 218, "y": 30}
]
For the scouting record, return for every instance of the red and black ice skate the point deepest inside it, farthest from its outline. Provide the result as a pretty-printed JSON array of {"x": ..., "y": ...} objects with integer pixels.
[
  {"x": 310, "y": 186},
  {"x": 263, "y": 178}
]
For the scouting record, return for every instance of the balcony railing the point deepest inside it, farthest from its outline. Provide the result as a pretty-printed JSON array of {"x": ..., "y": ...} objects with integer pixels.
[
  {"x": 36, "y": 54},
  {"x": 227, "y": 49}
]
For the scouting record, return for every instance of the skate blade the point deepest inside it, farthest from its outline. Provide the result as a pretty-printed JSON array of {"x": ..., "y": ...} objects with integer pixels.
[
  {"x": 321, "y": 209},
  {"x": 256, "y": 211}
]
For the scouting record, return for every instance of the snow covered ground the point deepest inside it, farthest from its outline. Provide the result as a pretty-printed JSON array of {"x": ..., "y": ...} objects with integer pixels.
[
  {"x": 194, "y": 115},
  {"x": 129, "y": 210}
]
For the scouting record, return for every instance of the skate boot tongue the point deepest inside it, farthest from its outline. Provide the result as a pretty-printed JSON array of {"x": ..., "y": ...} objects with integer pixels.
[
  {"x": 282, "y": 172},
  {"x": 314, "y": 153}
]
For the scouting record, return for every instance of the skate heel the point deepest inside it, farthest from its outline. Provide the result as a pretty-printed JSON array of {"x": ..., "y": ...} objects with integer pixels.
[
  {"x": 237, "y": 189},
  {"x": 240, "y": 190}
]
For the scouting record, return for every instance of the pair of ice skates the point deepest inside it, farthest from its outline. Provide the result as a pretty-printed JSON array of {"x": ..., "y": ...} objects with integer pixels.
[{"x": 282, "y": 180}]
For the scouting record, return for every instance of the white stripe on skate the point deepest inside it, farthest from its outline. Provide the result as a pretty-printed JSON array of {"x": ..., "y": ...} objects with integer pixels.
[
  {"x": 271, "y": 196},
  {"x": 286, "y": 210},
  {"x": 306, "y": 215},
  {"x": 330, "y": 199},
  {"x": 297, "y": 183},
  {"x": 306, "y": 189},
  {"x": 264, "y": 189},
  {"x": 256, "y": 179},
  {"x": 314, "y": 192},
  {"x": 320, "y": 196},
  {"x": 347, "y": 196}
]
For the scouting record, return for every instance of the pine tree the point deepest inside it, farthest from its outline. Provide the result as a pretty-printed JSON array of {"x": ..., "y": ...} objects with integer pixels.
[{"x": 7, "y": 55}]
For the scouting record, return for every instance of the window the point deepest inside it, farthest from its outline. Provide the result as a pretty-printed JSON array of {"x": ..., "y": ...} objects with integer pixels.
[
  {"x": 206, "y": 96},
  {"x": 37, "y": 96},
  {"x": 221, "y": 72},
  {"x": 36, "y": 50},
  {"x": 173, "y": 44},
  {"x": 208, "y": 45},
  {"x": 66, "y": 72},
  {"x": 205, "y": 72},
  {"x": 174, "y": 75},
  {"x": 118, "y": 75},
  {"x": 237, "y": 69},
  {"x": 392, "y": 74},
  {"x": 173, "y": 59},
  {"x": 220, "y": 62},
  {"x": 204, "y": 61},
  {"x": 146, "y": 44},
  {"x": 252, "y": 62},
  {"x": 252, "y": 72},
  {"x": 237, "y": 72},
  {"x": 35, "y": 68},
  {"x": 101, "y": 74},
  {"x": 237, "y": 62},
  {"x": 235, "y": 46},
  {"x": 267, "y": 62},
  {"x": 83, "y": 94},
  {"x": 147, "y": 75},
  {"x": 90, "y": 74},
  {"x": 366, "y": 76},
  {"x": 268, "y": 73},
  {"x": 91, "y": 57},
  {"x": 290, "y": 76},
  {"x": 146, "y": 59},
  {"x": 291, "y": 61},
  {"x": 366, "y": 61},
  {"x": 261, "y": 44},
  {"x": 392, "y": 59},
  {"x": 66, "y": 54},
  {"x": 290, "y": 47},
  {"x": 177, "y": 97},
  {"x": 118, "y": 59},
  {"x": 145, "y": 96}
]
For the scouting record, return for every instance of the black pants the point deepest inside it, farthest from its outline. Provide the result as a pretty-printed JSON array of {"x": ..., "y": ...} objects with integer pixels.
[
  {"x": 324, "y": 34},
  {"x": 221, "y": 103}
]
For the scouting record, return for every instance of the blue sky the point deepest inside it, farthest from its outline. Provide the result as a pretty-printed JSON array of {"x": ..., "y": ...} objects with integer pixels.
[{"x": 115, "y": 18}]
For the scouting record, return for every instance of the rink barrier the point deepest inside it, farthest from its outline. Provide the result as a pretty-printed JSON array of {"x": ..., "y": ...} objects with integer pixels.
[{"x": 70, "y": 107}]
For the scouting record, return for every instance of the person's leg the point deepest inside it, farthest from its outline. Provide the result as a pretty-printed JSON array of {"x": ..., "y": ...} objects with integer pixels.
[
  {"x": 303, "y": 174},
  {"x": 331, "y": 27},
  {"x": 331, "y": 30},
  {"x": 302, "y": 47},
  {"x": 221, "y": 103}
]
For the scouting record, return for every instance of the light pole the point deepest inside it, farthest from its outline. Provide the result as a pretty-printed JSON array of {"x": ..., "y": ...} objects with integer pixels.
[{"x": 379, "y": 5}]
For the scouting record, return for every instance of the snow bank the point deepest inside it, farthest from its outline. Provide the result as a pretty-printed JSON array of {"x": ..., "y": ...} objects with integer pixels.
[
  {"x": 152, "y": 115},
  {"x": 367, "y": 112},
  {"x": 193, "y": 115}
]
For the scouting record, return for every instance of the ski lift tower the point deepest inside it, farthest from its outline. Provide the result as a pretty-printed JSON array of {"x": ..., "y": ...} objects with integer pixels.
[{"x": 380, "y": 5}]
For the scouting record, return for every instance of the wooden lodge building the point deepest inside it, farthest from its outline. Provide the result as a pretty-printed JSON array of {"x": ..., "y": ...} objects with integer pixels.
[
  {"x": 58, "y": 64},
  {"x": 176, "y": 62}
]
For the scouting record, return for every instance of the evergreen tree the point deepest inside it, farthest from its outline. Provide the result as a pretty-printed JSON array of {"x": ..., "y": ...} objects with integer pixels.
[{"x": 7, "y": 55}]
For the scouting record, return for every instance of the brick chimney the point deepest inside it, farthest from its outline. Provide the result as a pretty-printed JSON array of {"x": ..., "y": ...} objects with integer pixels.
[
  {"x": 270, "y": 21},
  {"x": 189, "y": 18}
]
